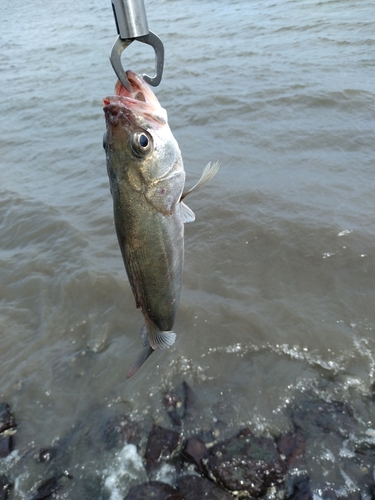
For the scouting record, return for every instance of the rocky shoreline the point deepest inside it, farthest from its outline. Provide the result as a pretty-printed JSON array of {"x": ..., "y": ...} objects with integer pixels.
[{"x": 213, "y": 464}]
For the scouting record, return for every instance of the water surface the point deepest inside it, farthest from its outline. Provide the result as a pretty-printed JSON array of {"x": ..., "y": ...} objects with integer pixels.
[{"x": 278, "y": 287}]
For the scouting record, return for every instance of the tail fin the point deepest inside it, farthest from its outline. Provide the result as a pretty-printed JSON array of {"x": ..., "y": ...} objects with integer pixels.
[
  {"x": 143, "y": 355},
  {"x": 152, "y": 339}
]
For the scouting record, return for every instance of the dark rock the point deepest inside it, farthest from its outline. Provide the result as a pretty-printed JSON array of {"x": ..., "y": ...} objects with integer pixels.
[
  {"x": 5, "y": 487},
  {"x": 7, "y": 421},
  {"x": 247, "y": 463},
  {"x": 195, "y": 451},
  {"x": 160, "y": 445},
  {"x": 180, "y": 404},
  {"x": 241, "y": 474},
  {"x": 47, "y": 454},
  {"x": 298, "y": 488},
  {"x": 353, "y": 495},
  {"x": 194, "y": 487},
  {"x": 315, "y": 417},
  {"x": 6, "y": 446},
  {"x": 369, "y": 483},
  {"x": 292, "y": 446},
  {"x": 329, "y": 495},
  {"x": 154, "y": 490},
  {"x": 190, "y": 399},
  {"x": 120, "y": 430},
  {"x": 174, "y": 405},
  {"x": 49, "y": 486}
]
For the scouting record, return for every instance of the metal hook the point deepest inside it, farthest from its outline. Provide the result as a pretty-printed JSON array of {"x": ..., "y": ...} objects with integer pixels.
[
  {"x": 131, "y": 23},
  {"x": 120, "y": 45}
]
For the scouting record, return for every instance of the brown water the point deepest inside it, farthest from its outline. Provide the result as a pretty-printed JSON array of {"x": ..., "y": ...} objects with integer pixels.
[{"x": 278, "y": 290}]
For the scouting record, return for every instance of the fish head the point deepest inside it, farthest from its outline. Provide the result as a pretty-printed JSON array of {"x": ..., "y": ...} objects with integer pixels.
[{"x": 138, "y": 138}]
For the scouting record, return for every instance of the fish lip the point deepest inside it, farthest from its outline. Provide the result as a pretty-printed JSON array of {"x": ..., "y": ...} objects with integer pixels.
[{"x": 140, "y": 100}]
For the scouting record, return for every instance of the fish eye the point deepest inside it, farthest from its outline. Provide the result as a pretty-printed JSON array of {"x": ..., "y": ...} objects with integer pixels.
[
  {"x": 104, "y": 140},
  {"x": 143, "y": 140},
  {"x": 141, "y": 143}
]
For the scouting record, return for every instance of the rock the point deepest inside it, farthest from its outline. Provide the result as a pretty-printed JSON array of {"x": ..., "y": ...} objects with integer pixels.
[
  {"x": 120, "y": 430},
  {"x": 49, "y": 486},
  {"x": 180, "y": 404},
  {"x": 7, "y": 422},
  {"x": 329, "y": 495},
  {"x": 314, "y": 417},
  {"x": 292, "y": 446},
  {"x": 7, "y": 430},
  {"x": 47, "y": 454},
  {"x": 174, "y": 406},
  {"x": 6, "y": 446},
  {"x": 190, "y": 399},
  {"x": 160, "y": 445},
  {"x": 193, "y": 487},
  {"x": 298, "y": 488},
  {"x": 247, "y": 463},
  {"x": 154, "y": 490},
  {"x": 5, "y": 487},
  {"x": 195, "y": 451}
]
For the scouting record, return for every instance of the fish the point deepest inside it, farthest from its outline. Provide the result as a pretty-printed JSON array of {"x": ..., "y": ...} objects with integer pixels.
[{"x": 147, "y": 179}]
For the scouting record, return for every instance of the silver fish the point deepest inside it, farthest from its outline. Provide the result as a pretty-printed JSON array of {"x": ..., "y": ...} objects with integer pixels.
[{"x": 147, "y": 178}]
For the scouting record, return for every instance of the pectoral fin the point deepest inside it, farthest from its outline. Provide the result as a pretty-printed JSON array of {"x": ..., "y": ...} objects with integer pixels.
[
  {"x": 209, "y": 171},
  {"x": 187, "y": 214}
]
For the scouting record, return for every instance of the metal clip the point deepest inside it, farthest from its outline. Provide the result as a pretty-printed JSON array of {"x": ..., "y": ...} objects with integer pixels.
[{"x": 131, "y": 23}]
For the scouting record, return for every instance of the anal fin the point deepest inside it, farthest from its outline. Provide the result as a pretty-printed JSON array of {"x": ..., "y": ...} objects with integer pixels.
[{"x": 161, "y": 340}]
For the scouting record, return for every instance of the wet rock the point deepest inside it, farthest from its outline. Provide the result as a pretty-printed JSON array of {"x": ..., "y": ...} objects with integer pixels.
[
  {"x": 190, "y": 400},
  {"x": 154, "y": 490},
  {"x": 329, "y": 495},
  {"x": 7, "y": 422},
  {"x": 292, "y": 446},
  {"x": 174, "y": 406},
  {"x": 5, "y": 487},
  {"x": 7, "y": 430},
  {"x": 298, "y": 488},
  {"x": 47, "y": 454},
  {"x": 161, "y": 444},
  {"x": 247, "y": 463},
  {"x": 241, "y": 474},
  {"x": 49, "y": 486},
  {"x": 193, "y": 487},
  {"x": 180, "y": 404},
  {"x": 314, "y": 417},
  {"x": 6, "y": 446},
  {"x": 195, "y": 451},
  {"x": 120, "y": 430},
  {"x": 369, "y": 483}
]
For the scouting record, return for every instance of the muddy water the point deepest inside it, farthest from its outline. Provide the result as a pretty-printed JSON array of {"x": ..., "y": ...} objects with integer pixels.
[{"x": 279, "y": 276}]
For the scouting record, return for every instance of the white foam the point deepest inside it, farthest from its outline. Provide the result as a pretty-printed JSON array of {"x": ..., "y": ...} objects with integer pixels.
[{"x": 127, "y": 468}]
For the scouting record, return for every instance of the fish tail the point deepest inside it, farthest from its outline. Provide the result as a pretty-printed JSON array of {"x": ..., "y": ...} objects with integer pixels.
[
  {"x": 143, "y": 355},
  {"x": 152, "y": 338}
]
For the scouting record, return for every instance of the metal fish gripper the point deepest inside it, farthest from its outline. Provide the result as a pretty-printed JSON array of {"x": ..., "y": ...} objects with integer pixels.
[{"x": 131, "y": 24}]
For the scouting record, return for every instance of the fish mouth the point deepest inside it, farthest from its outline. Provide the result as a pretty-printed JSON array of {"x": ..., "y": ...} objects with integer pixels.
[{"x": 139, "y": 101}]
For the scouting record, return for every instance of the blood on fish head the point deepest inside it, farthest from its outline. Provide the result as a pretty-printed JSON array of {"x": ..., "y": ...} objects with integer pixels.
[
  {"x": 138, "y": 132},
  {"x": 139, "y": 102}
]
